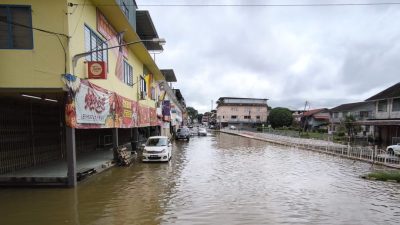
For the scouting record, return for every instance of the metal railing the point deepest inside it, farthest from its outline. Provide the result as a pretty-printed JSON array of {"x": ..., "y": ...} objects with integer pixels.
[{"x": 369, "y": 154}]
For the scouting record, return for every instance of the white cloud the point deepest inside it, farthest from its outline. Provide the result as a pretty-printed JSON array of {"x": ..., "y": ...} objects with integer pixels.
[{"x": 325, "y": 55}]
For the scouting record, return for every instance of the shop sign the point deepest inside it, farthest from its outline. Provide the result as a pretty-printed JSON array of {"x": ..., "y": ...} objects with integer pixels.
[{"x": 97, "y": 70}]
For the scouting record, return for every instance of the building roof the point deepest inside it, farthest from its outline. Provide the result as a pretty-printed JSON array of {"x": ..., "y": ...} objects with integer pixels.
[
  {"x": 221, "y": 98},
  {"x": 348, "y": 106},
  {"x": 169, "y": 75},
  {"x": 146, "y": 30},
  {"x": 313, "y": 111},
  {"x": 391, "y": 92}
]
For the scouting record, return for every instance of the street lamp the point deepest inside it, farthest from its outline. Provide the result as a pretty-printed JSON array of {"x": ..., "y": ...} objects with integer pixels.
[{"x": 75, "y": 58}]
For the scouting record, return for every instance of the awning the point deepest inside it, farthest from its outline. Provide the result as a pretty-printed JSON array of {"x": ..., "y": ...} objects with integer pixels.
[
  {"x": 169, "y": 75},
  {"x": 146, "y": 30}
]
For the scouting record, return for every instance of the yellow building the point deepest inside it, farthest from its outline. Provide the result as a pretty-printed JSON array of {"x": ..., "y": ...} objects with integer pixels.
[{"x": 57, "y": 103}]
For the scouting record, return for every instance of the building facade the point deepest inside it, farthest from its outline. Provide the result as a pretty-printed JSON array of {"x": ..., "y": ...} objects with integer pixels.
[
  {"x": 358, "y": 111},
  {"x": 315, "y": 119},
  {"x": 242, "y": 112},
  {"x": 76, "y": 77},
  {"x": 386, "y": 117}
]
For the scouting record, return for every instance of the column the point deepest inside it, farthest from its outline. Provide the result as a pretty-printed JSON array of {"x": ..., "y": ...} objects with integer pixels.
[
  {"x": 115, "y": 141},
  {"x": 71, "y": 156}
]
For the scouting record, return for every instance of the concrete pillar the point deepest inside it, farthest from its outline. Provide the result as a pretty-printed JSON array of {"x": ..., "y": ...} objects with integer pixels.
[
  {"x": 115, "y": 141},
  {"x": 71, "y": 156}
]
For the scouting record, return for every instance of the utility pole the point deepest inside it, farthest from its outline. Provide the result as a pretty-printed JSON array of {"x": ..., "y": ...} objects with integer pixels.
[{"x": 305, "y": 119}]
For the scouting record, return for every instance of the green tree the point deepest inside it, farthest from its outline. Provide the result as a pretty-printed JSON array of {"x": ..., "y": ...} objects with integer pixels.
[
  {"x": 279, "y": 117},
  {"x": 192, "y": 113},
  {"x": 350, "y": 126}
]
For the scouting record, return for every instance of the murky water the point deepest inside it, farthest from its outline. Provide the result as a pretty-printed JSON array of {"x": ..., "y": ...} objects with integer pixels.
[{"x": 218, "y": 179}]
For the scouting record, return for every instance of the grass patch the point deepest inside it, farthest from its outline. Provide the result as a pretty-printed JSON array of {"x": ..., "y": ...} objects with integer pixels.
[{"x": 384, "y": 175}]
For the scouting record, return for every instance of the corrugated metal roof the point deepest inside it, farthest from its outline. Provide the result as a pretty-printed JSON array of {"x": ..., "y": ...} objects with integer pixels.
[
  {"x": 146, "y": 30},
  {"x": 348, "y": 106},
  {"x": 391, "y": 92},
  {"x": 169, "y": 75}
]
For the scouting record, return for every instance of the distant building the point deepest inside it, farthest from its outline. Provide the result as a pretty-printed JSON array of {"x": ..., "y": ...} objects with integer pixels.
[
  {"x": 386, "y": 119},
  {"x": 244, "y": 112},
  {"x": 360, "y": 111},
  {"x": 315, "y": 119}
]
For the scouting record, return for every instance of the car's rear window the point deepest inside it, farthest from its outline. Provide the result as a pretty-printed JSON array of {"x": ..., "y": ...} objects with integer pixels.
[{"x": 157, "y": 142}]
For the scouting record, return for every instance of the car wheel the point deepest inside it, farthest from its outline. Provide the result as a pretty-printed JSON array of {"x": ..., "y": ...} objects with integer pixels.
[
  {"x": 390, "y": 151},
  {"x": 188, "y": 139}
]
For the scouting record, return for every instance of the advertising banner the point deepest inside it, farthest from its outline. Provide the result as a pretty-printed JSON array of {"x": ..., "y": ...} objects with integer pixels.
[
  {"x": 144, "y": 116},
  {"x": 166, "y": 110},
  {"x": 92, "y": 107},
  {"x": 92, "y": 104},
  {"x": 126, "y": 114},
  {"x": 153, "y": 117}
]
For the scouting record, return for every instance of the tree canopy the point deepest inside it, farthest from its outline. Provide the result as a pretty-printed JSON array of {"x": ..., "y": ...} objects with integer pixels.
[
  {"x": 192, "y": 113},
  {"x": 280, "y": 117}
]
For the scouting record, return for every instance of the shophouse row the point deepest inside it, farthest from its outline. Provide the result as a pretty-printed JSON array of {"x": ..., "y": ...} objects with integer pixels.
[{"x": 78, "y": 78}]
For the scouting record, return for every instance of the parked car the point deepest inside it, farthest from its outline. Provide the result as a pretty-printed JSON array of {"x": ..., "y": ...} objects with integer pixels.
[
  {"x": 393, "y": 149},
  {"x": 232, "y": 127},
  {"x": 157, "y": 148},
  {"x": 202, "y": 132},
  {"x": 193, "y": 131},
  {"x": 183, "y": 133}
]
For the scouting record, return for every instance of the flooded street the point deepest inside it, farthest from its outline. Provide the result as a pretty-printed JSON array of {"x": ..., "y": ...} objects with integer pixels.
[{"x": 218, "y": 179}]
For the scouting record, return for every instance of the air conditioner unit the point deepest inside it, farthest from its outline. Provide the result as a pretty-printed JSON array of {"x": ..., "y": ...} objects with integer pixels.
[{"x": 143, "y": 95}]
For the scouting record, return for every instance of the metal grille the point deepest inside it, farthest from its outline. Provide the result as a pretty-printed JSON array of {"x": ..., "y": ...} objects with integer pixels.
[
  {"x": 30, "y": 133},
  {"x": 395, "y": 140}
]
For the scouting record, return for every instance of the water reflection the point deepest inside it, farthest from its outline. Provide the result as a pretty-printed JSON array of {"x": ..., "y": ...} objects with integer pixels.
[{"x": 218, "y": 179}]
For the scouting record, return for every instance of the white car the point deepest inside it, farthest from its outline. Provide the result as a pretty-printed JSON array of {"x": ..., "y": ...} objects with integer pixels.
[
  {"x": 393, "y": 149},
  {"x": 202, "y": 132},
  {"x": 157, "y": 148}
]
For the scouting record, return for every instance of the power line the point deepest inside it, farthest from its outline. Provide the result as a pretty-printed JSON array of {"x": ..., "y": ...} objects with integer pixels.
[
  {"x": 259, "y": 5},
  {"x": 33, "y": 28}
]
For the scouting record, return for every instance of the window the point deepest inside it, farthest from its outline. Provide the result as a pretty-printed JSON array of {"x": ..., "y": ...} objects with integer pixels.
[
  {"x": 128, "y": 74},
  {"x": 94, "y": 42},
  {"x": 233, "y": 117},
  {"x": 125, "y": 10},
  {"x": 382, "y": 106},
  {"x": 364, "y": 114},
  {"x": 142, "y": 85},
  {"x": 247, "y": 117},
  {"x": 15, "y": 31},
  {"x": 396, "y": 105},
  {"x": 336, "y": 115},
  {"x": 258, "y": 117}
]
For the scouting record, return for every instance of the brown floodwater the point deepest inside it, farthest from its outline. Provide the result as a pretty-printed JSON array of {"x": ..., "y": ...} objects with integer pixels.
[{"x": 218, "y": 179}]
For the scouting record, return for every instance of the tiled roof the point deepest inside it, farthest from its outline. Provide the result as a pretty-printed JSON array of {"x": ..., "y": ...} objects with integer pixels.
[
  {"x": 313, "y": 111},
  {"x": 391, "y": 92}
]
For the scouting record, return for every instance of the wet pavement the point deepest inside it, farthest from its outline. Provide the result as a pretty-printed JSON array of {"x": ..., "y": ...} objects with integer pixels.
[{"x": 218, "y": 179}]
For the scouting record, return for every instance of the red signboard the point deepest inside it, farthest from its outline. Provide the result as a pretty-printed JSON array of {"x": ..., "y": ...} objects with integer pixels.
[{"x": 97, "y": 70}]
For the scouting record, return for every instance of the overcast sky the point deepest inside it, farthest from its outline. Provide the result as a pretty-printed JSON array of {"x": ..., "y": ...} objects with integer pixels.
[{"x": 324, "y": 55}]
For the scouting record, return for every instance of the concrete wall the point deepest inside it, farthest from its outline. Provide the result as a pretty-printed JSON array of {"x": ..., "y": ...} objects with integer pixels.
[{"x": 42, "y": 66}]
